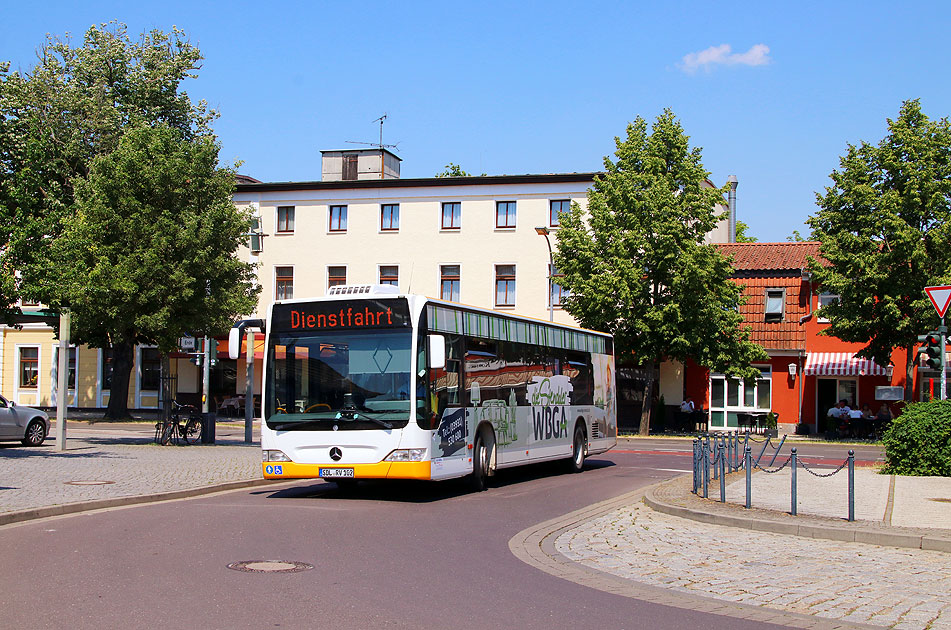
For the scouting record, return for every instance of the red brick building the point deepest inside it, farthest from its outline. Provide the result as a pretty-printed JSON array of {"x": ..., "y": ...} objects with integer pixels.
[{"x": 806, "y": 372}]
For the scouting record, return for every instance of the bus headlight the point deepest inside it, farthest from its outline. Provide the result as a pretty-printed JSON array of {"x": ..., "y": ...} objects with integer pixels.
[
  {"x": 406, "y": 455},
  {"x": 274, "y": 456}
]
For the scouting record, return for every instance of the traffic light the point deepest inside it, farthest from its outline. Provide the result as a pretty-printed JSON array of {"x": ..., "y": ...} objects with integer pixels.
[
  {"x": 932, "y": 350},
  {"x": 212, "y": 352}
]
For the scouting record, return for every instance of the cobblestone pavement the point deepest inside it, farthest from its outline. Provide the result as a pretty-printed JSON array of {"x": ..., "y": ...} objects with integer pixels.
[
  {"x": 851, "y": 582},
  {"x": 122, "y": 464}
]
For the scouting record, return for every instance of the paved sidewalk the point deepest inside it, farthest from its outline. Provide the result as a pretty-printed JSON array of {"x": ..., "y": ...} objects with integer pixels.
[
  {"x": 676, "y": 540},
  {"x": 116, "y": 466}
]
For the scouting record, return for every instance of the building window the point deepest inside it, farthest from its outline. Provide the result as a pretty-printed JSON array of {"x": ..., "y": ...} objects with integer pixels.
[
  {"x": 558, "y": 293},
  {"x": 451, "y": 216},
  {"x": 826, "y": 299},
  {"x": 151, "y": 368},
  {"x": 775, "y": 304},
  {"x": 105, "y": 367},
  {"x": 70, "y": 368},
  {"x": 505, "y": 214},
  {"x": 336, "y": 276},
  {"x": 390, "y": 274},
  {"x": 283, "y": 283},
  {"x": 729, "y": 397},
  {"x": 338, "y": 218},
  {"x": 449, "y": 282},
  {"x": 29, "y": 302},
  {"x": 557, "y": 208},
  {"x": 390, "y": 217},
  {"x": 29, "y": 367},
  {"x": 505, "y": 285},
  {"x": 285, "y": 219}
]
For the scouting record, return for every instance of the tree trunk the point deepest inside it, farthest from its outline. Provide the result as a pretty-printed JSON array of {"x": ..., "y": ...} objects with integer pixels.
[
  {"x": 909, "y": 374},
  {"x": 122, "y": 356},
  {"x": 646, "y": 405}
]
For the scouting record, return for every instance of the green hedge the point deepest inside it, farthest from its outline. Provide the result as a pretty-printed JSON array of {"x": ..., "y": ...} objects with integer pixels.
[{"x": 918, "y": 442}]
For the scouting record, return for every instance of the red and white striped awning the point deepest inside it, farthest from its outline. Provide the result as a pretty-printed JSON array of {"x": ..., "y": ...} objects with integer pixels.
[{"x": 840, "y": 364}]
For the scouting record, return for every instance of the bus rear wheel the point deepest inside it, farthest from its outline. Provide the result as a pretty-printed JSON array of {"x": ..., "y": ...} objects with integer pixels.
[{"x": 576, "y": 463}]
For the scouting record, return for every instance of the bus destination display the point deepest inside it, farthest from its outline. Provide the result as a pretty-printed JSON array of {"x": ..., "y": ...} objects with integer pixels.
[{"x": 352, "y": 315}]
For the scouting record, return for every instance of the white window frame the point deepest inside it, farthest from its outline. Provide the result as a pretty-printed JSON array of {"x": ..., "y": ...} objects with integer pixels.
[
  {"x": 507, "y": 228},
  {"x": 346, "y": 279},
  {"x": 442, "y": 212},
  {"x": 71, "y": 400},
  {"x": 829, "y": 298},
  {"x": 18, "y": 386},
  {"x": 379, "y": 273},
  {"x": 139, "y": 391},
  {"x": 277, "y": 220},
  {"x": 495, "y": 288},
  {"x": 330, "y": 214},
  {"x": 439, "y": 277},
  {"x": 293, "y": 277},
  {"x": 766, "y": 376}
]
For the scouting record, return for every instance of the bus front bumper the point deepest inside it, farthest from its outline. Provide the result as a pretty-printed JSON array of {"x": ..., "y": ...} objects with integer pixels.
[{"x": 381, "y": 470}]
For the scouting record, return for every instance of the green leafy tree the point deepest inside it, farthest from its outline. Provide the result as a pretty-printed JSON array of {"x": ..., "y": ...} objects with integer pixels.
[
  {"x": 741, "y": 235},
  {"x": 454, "y": 170},
  {"x": 150, "y": 254},
  {"x": 885, "y": 226},
  {"x": 56, "y": 118},
  {"x": 636, "y": 264},
  {"x": 111, "y": 199}
]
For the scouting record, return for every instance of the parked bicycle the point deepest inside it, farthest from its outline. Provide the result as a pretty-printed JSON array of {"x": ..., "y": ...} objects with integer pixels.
[{"x": 184, "y": 423}]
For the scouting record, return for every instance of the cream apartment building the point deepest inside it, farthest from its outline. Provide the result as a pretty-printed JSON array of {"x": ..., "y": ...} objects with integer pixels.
[{"x": 473, "y": 240}]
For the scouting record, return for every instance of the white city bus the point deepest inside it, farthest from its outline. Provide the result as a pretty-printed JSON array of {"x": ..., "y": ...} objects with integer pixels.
[{"x": 370, "y": 384}]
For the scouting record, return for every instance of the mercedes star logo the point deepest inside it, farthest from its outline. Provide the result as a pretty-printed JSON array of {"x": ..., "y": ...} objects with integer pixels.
[{"x": 335, "y": 454}]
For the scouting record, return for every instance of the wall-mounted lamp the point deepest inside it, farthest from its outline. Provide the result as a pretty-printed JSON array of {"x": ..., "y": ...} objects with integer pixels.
[
  {"x": 792, "y": 370},
  {"x": 889, "y": 370}
]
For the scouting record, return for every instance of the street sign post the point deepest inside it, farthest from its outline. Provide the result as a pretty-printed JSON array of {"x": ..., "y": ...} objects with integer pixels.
[{"x": 941, "y": 297}]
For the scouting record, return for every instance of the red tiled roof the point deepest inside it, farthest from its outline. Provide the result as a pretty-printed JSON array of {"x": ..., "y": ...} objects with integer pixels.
[
  {"x": 770, "y": 256},
  {"x": 787, "y": 334}
]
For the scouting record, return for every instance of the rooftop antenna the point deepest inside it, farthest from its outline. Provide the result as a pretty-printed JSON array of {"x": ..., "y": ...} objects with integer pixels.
[{"x": 379, "y": 145}]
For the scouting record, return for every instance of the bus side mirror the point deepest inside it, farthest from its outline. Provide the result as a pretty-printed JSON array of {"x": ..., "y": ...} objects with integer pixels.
[
  {"x": 234, "y": 342},
  {"x": 437, "y": 352}
]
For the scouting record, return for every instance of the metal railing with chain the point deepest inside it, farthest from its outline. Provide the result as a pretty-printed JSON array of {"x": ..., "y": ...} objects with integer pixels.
[{"x": 723, "y": 457}]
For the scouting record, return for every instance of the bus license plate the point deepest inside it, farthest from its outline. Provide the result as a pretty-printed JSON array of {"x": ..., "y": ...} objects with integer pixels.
[{"x": 330, "y": 473}]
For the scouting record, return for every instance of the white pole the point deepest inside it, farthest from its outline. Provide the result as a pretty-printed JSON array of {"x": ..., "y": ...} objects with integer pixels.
[{"x": 62, "y": 380}]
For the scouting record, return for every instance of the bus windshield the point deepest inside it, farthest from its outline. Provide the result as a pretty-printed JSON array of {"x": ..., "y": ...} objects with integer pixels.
[{"x": 338, "y": 380}]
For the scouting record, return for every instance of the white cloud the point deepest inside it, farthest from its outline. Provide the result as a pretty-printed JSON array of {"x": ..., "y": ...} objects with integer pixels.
[{"x": 723, "y": 54}]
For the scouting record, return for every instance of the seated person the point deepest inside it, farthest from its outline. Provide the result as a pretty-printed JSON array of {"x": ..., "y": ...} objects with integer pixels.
[{"x": 687, "y": 405}]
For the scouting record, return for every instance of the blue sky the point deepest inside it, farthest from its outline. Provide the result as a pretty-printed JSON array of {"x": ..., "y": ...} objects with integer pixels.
[{"x": 772, "y": 93}]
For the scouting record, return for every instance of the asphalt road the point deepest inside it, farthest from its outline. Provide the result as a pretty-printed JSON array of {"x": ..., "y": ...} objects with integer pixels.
[{"x": 414, "y": 555}]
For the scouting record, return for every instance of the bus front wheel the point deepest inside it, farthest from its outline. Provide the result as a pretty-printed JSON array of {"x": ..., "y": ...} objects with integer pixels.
[{"x": 480, "y": 463}]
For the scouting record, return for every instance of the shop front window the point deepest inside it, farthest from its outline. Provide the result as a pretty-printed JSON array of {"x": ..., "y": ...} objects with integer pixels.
[{"x": 730, "y": 397}]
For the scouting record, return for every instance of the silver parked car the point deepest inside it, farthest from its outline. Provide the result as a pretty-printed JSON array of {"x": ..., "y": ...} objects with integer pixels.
[{"x": 26, "y": 424}]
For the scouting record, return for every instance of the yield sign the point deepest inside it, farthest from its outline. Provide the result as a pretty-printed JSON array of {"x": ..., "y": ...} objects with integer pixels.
[{"x": 940, "y": 297}]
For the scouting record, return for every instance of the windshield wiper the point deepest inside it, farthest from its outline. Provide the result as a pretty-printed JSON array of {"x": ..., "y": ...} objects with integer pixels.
[{"x": 352, "y": 414}]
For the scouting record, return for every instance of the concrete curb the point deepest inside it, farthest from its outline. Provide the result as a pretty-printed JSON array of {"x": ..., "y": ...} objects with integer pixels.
[
  {"x": 535, "y": 546},
  {"x": 842, "y": 533},
  {"x": 100, "y": 504}
]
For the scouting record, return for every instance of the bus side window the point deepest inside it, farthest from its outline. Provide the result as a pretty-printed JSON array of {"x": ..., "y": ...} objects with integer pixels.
[{"x": 447, "y": 383}]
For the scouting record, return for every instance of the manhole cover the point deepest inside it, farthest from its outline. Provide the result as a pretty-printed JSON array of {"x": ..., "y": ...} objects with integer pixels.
[
  {"x": 270, "y": 566},
  {"x": 91, "y": 482},
  {"x": 941, "y": 500}
]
